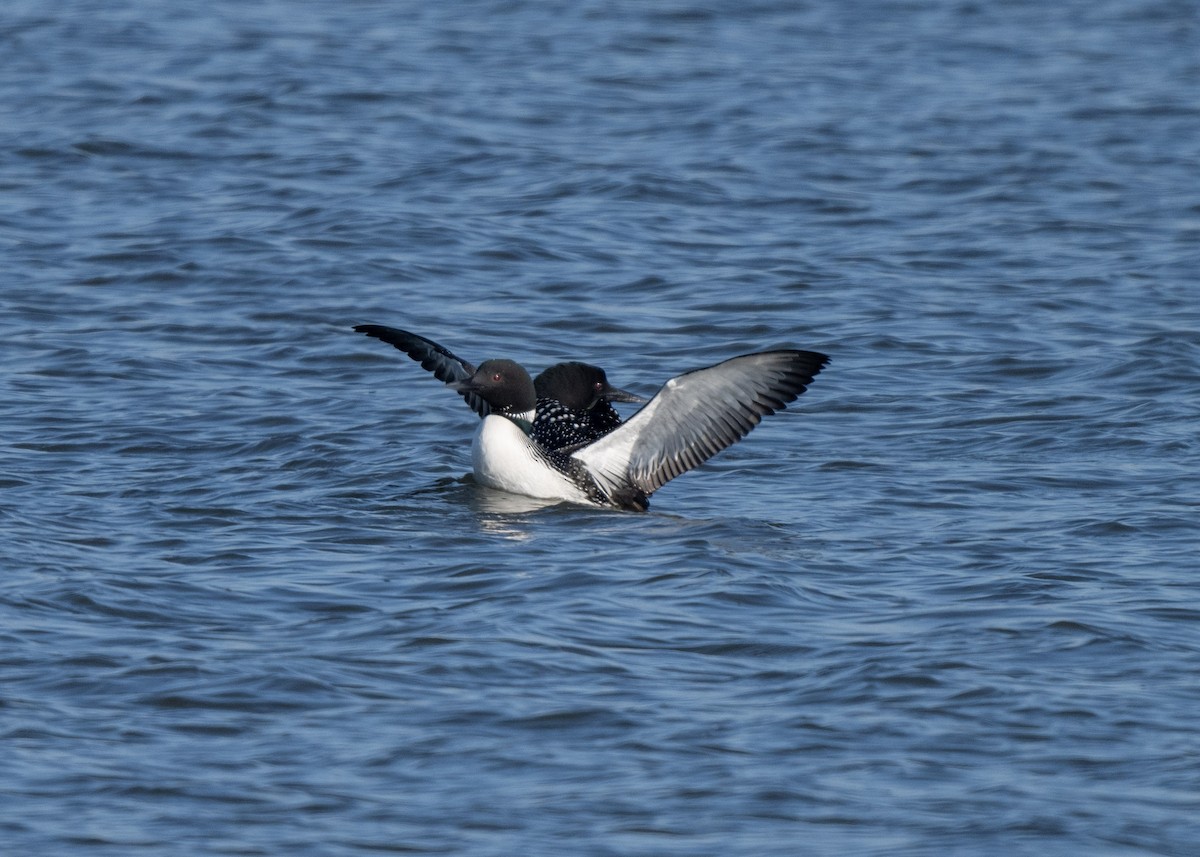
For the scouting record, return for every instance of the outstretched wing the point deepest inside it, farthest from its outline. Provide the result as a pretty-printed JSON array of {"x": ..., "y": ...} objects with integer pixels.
[
  {"x": 696, "y": 415},
  {"x": 445, "y": 366}
]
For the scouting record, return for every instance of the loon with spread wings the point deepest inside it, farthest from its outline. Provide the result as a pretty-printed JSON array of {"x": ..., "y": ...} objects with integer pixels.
[{"x": 692, "y": 417}]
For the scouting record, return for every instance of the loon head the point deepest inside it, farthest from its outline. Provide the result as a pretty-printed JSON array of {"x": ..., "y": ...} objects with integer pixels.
[
  {"x": 579, "y": 386},
  {"x": 503, "y": 384}
]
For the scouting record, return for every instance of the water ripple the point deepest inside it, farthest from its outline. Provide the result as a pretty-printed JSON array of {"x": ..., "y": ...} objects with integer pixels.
[{"x": 253, "y": 602}]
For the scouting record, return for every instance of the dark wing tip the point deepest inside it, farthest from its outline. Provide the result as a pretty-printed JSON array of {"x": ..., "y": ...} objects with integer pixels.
[
  {"x": 799, "y": 370},
  {"x": 444, "y": 365},
  {"x": 402, "y": 339},
  {"x": 807, "y": 362},
  {"x": 433, "y": 357}
]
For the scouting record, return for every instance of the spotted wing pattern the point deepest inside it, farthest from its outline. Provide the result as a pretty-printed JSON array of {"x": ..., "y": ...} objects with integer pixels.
[{"x": 563, "y": 429}]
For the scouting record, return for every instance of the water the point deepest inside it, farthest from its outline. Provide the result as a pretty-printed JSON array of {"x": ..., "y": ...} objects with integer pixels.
[{"x": 945, "y": 604}]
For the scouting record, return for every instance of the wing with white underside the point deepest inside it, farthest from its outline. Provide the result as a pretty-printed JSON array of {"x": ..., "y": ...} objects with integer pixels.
[
  {"x": 696, "y": 415},
  {"x": 437, "y": 359}
]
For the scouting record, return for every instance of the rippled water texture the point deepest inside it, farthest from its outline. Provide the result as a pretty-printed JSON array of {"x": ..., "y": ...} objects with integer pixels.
[{"x": 945, "y": 604}]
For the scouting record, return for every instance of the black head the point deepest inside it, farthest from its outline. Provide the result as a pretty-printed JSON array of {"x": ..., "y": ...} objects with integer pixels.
[
  {"x": 503, "y": 384},
  {"x": 579, "y": 386}
]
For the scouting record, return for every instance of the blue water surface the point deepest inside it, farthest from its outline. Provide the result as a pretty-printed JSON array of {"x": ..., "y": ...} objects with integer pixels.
[{"x": 251, "y": 603}]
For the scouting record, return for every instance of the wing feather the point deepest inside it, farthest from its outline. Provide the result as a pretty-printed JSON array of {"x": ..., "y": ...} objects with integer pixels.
[
  {"x": 696, "y": 415},
  {"x": 435, "y": 358}
]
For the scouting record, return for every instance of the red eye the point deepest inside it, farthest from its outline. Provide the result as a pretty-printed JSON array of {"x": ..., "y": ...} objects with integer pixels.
[
  {"x": 496, "y": 377},
  {"x": 598, "y": 386}
]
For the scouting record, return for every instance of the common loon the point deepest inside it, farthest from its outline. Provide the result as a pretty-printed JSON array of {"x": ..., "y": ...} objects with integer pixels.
[
  {"x": 573, "y": 399},
  {"x": 692, "y": 417},
  {"x": 574, "y": 406}
]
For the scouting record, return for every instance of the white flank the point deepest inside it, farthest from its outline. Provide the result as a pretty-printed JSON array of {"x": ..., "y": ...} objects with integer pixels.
[{"x": 504, "y": 457}]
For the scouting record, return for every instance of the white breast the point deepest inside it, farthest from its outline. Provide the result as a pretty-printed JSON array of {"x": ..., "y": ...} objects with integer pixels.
[{"x": 505, "y": 458}]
